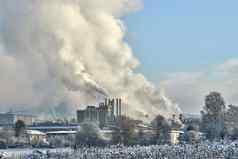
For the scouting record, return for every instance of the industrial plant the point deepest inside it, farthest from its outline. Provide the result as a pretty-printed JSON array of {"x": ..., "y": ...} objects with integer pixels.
[{"x": 105, "y": 114}]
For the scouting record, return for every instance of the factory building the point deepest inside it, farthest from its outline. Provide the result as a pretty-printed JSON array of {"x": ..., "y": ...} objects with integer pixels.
[
  {"x": 102, "y": 115},
  {"x": 91, "y": 114},
  {"x": 105, "y": 114},
  {"x": 80, "y": 116},
  {"x": 10, "y": 118}
]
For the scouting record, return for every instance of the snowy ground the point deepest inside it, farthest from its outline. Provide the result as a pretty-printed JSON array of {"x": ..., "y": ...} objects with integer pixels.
[
  {"x": 23, "y": 153},
  {"x": 198, "y": 151}
]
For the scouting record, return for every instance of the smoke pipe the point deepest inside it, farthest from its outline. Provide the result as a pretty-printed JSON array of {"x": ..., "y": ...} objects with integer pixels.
[
  {"x": 111, "y": 104},
  {"x": 117, "y": 107},
  {"x": 120, "y": 107},
  {"x": 106, "y": 104}
]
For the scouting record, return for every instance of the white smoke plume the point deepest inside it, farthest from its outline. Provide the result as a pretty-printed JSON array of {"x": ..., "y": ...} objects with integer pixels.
[{"x": 71, "y": 51}]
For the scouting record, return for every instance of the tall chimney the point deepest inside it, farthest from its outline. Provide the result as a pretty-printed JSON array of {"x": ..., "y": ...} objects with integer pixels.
[
  {"x": 120, "y": 107},
  {"x": 117, "y": 107},
  {"x": 106, "y": 104},
  {"x": 111, "y": 103}
]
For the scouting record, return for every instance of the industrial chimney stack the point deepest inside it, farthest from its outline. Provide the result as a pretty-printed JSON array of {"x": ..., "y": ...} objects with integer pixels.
[{"x": 114, "y": 106}]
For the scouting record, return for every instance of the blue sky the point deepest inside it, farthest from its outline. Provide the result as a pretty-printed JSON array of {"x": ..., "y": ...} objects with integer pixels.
[{"x": 183, "y": 35}]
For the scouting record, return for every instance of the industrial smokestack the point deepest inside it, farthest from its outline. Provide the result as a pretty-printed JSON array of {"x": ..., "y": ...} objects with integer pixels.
[
  {"x": 112, "y": 103},
  {"x": 120, "y": 107},
  {"x": 106, "y": 102},
  {"x": 117, "y": 107}
]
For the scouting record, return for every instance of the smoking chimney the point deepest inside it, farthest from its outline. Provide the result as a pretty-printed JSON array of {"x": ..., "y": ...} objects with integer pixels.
[
  {"x": 120, "y": 107},
  {"x": 117, "y": 107}
]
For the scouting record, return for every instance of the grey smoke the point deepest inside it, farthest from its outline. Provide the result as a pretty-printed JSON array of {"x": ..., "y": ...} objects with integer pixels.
[{"x": 72, "y": 51}]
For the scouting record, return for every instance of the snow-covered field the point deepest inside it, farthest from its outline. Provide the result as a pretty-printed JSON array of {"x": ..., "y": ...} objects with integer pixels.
[
  {"x": 26, "y": 153},
  {"x": 198, "y": 151}
]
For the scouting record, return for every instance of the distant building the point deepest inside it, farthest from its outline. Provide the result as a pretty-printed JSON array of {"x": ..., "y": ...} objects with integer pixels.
[
  {"x": 102, "y": 115},
  {"x": 9, "y": 119},
  {"x": 80, "y": 116},
  {"x": 54, "y": 127},
  {"x": 91, "y": 113},
  {"x": 174, "y": 136},
  {"x": 35, "y": 137},
  {"x": 61, "y": 133},
  {"x": 192, "y": 120},
  {"x": 105, "y": 114}
]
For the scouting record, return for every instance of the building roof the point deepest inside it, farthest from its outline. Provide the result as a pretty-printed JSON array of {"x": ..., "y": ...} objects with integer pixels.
[
  {"x": 34, "y": 132},
  {"x": 176, "y": 131},
  {"x": 141, "y": 125},
  {"x": 61, "y": 132},
  {"x": 107, "y": 131},
  {"x": 53, "y": 127}
]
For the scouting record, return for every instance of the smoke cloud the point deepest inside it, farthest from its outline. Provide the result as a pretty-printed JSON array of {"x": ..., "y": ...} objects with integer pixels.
[
  {"x": 189, "y": 89},
  {"x": 72, "y": 52}
]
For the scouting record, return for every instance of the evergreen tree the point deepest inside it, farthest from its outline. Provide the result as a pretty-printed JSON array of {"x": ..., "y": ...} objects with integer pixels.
[
  {"x": 213, "y": 116},
  {"x": 231, "y": 120},
  {"x": 19, "y": 128}
]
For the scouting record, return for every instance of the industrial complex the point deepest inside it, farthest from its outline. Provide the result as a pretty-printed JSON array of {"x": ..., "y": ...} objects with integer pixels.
[{"x": 104, "y": 114}]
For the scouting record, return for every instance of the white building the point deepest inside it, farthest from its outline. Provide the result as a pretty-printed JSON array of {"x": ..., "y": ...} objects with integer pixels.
[
  {"x": 36, "y": 136},
  {"x": 174, "y": 136}
]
